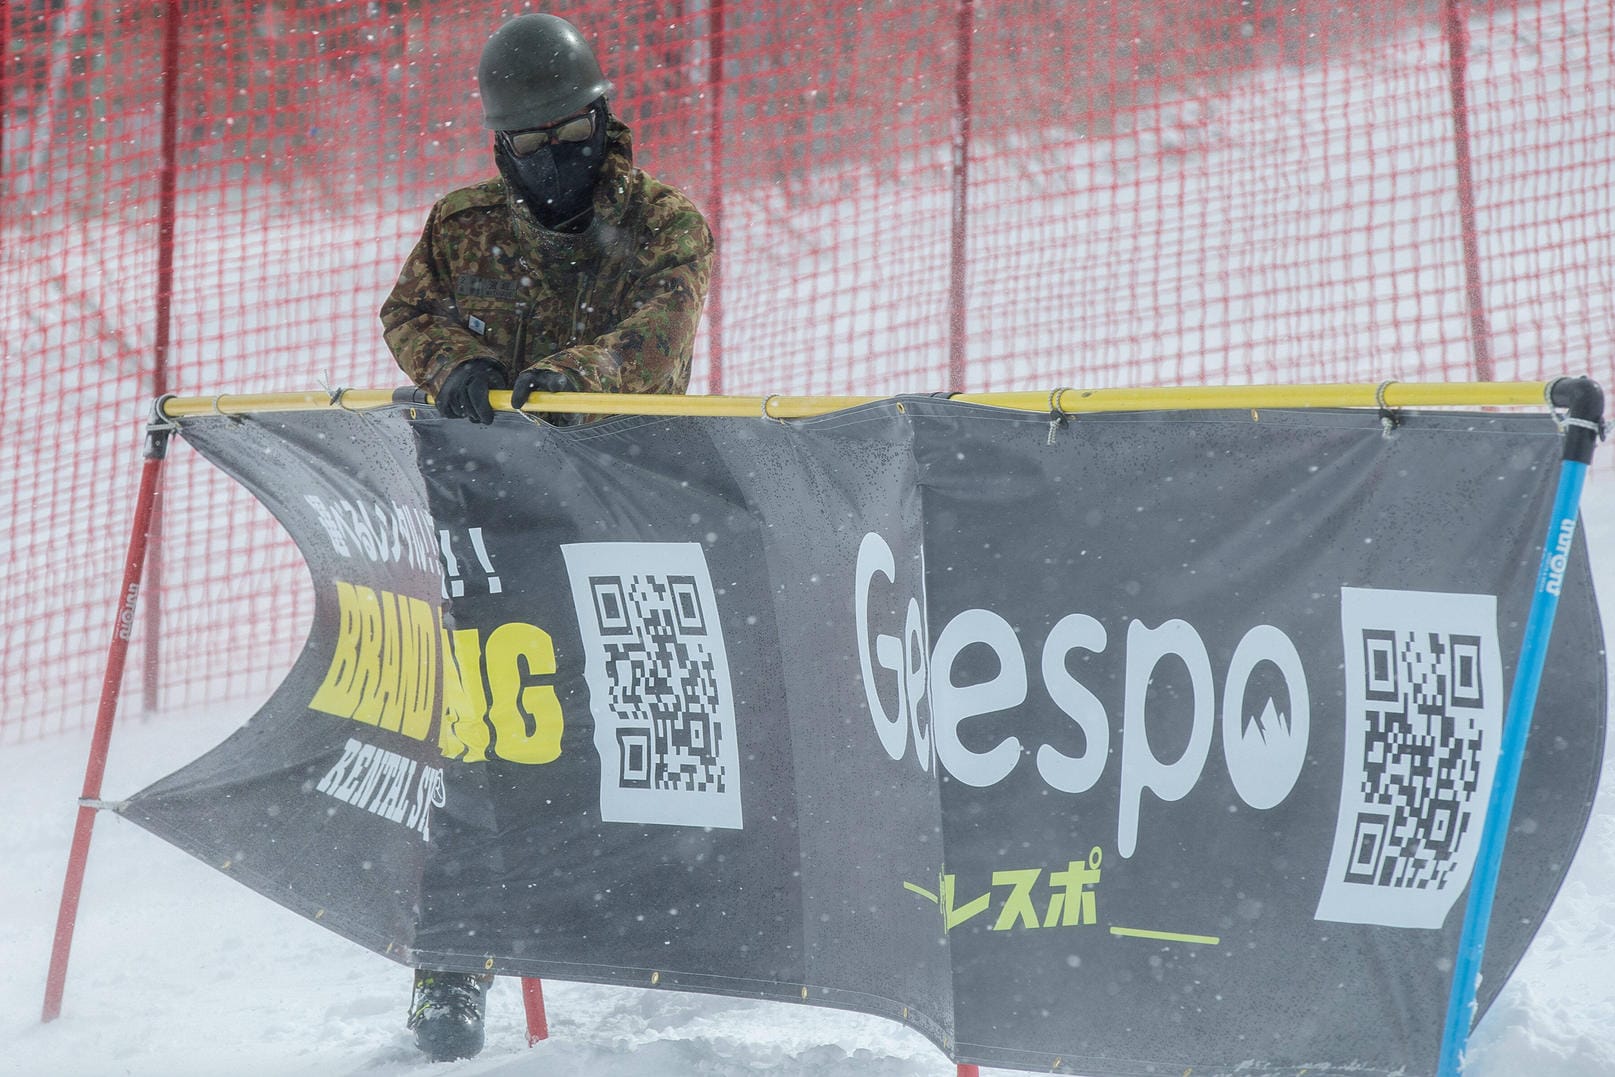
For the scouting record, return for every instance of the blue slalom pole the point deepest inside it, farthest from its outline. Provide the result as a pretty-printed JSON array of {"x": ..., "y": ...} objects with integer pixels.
[{"x": 1583, "y": 427}]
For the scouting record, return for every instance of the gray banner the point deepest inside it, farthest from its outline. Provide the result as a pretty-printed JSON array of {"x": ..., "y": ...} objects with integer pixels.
[{"x": 1121, "y": 745}]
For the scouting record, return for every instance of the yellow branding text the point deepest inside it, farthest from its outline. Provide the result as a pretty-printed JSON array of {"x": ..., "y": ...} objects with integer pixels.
[{"x": 393, "y": 661}]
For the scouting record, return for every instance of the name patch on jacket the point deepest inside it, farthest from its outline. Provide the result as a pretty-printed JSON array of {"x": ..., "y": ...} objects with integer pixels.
[{"x": 468, "y": 287}]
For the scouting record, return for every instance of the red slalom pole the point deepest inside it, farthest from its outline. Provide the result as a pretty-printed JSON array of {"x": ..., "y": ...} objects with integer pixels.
[
  {"x": 538, "y": 1025},
  {"x": 122, "y": 628}
]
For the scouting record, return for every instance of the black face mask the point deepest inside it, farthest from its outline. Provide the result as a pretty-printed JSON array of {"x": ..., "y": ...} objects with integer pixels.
[{"x": 557, "y": 180}]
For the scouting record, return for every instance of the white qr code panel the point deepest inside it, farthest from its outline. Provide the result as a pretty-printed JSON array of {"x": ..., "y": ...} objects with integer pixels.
[
  {"x": 1424, "y": 715},
  {"x": 658, "y": 677}
]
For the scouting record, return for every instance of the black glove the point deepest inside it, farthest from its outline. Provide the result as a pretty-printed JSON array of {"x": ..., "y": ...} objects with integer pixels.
[
  {"x": 465, "y": 391},
  {"x": 543, "y": 380}
]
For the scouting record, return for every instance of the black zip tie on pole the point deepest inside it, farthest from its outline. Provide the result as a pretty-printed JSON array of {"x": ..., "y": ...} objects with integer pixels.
[
  {"x": 1057, "y": 415},
  {"x": 338, "y": 397},
  {"x": 337, "y": 394},
  {"x": 1389, "y": 418}
]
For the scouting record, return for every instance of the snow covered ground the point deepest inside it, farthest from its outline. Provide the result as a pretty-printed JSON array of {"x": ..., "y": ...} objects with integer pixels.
[{"x": 179, "y": 970}]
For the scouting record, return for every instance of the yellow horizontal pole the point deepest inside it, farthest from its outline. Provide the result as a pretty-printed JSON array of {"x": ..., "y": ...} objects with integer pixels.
[
  {"x": 188, "y": 407},
  {"x": 777, "y": 407},
  {"x": 1071, "y": 401},
  {"x": 1395, "y": 395}
]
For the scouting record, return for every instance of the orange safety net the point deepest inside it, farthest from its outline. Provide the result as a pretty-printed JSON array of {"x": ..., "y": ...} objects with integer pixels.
[{"x": 201, "y": 197}]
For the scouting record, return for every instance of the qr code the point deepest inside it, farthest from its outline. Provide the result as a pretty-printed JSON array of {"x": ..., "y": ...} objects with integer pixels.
[
  {"x": 1423, "y": 718},
  {"x": 658, "y": 677}
]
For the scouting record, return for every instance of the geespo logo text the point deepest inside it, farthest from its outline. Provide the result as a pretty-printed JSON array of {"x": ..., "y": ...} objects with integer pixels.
[{"x": 1264, "y": 753}]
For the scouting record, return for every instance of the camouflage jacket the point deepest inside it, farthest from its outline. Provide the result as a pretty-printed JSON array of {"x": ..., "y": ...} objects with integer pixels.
[{"x": 616, "y": 306}]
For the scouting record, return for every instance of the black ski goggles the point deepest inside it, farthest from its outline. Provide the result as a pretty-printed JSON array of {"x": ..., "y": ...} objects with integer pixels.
[{"x": 527, "y": 143}]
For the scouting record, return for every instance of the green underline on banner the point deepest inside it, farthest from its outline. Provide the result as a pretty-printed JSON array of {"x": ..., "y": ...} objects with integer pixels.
[{"x": 1165, "y": 936}]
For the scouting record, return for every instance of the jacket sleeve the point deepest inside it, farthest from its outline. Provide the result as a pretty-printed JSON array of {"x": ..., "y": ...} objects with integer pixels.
[
  {"x": 420, "y": 318},
  {"x": 649, "y": 349}
]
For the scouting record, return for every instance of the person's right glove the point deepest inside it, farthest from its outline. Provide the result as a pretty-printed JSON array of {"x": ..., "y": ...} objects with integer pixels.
[
  {"x": 465, "y": 391},
  {"x": 544, "y": 380}
]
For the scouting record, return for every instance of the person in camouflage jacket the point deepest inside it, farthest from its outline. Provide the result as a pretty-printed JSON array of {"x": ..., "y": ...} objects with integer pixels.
[
  {"x": 494, "y": 296},
  {"x": 573, "y": 271}
]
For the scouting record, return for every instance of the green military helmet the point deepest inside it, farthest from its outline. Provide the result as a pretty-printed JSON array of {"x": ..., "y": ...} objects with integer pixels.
[{"x": 535, "y": 70}]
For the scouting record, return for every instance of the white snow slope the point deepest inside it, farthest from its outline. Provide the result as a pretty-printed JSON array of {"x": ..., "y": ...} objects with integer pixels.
[{"x": 178, "y": 969}]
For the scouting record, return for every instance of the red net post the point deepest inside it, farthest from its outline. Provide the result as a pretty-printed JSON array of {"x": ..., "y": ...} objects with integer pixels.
[
  {"x": 1164, "y": 192},
  {"x": 538, "y": 1023},
  {"x": 123, "y": 623},
  {"x": 162, "y": 305}
]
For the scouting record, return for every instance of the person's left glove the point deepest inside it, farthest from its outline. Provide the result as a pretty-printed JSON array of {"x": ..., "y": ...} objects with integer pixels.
[
  {"x": 465, "y": 391},
  {"x": 544, "y": 380}
]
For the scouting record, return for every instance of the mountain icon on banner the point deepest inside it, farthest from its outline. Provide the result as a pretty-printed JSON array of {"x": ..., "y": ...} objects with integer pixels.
[{"x": 1270, "y": 718}]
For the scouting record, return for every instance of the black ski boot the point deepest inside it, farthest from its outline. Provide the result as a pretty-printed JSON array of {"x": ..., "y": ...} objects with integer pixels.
[{"x": 445, "y": 1013}]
